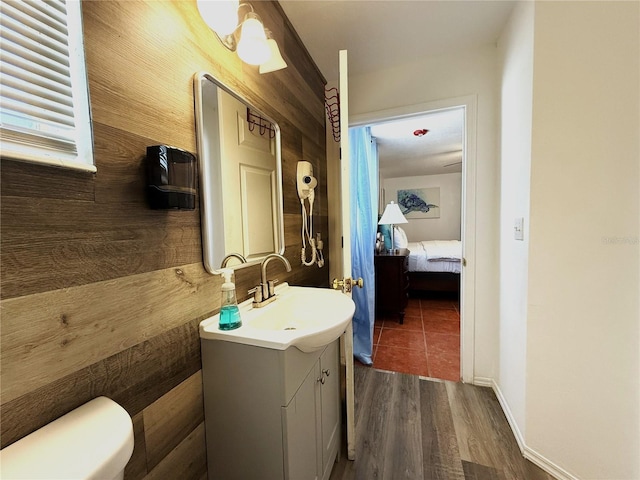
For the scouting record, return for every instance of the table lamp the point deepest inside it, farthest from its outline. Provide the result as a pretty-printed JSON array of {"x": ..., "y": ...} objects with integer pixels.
[{"x": 392, "y": 216}]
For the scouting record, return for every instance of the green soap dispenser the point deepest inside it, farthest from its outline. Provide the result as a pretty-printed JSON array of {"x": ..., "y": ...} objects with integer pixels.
[{"x": 229, "y": 311}]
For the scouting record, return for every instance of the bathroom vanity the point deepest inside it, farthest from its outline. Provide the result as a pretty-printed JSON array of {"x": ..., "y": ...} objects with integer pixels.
[
  {"x": 270, "y": 414},
  {"x": 272, "y": 386}
]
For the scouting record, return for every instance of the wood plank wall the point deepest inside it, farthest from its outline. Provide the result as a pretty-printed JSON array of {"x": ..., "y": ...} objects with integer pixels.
[{"x": 101, "y": 295}]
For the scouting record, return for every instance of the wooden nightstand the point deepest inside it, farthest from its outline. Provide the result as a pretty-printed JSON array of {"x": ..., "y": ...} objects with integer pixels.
[{"x": 392, "y": 283}]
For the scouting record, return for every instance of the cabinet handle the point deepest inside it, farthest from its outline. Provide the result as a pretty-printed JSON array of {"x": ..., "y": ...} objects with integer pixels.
[
  {"x": 321, "y": 380},
  {"x": 326, "y": 372}
]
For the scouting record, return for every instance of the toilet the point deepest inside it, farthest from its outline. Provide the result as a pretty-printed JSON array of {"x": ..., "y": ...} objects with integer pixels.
[{"x": 94, "y": 441}]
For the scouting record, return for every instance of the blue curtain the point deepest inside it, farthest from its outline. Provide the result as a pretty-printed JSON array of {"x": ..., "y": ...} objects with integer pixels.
[{"x": 363, "y": 156}]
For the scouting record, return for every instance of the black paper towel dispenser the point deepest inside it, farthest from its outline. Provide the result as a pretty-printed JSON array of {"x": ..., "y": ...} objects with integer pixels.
[{"x": 171, "y": 178}]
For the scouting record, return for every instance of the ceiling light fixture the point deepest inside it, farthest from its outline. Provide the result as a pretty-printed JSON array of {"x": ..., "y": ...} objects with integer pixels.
[
  {"x": 253, "y": 43},
  {"x": 420, "y": 132}
]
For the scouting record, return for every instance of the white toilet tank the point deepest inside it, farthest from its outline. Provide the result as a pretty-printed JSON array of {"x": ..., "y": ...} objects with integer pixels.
[{"x": 94, "y": 441}]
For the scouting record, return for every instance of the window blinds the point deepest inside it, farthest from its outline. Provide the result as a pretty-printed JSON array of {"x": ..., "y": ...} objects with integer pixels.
[{"x": 44, "y": 103}]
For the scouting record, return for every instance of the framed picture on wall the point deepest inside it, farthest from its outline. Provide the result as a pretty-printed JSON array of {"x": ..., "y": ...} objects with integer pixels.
[{"x": 420, "y": 202}]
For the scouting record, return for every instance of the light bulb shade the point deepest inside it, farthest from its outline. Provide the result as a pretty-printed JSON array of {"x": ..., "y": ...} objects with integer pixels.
[
  {"x": 220, "y": 15},
  {"x": 252, "y": 46},
  {"x": 392, "y": 215},
  {"x": 275, "y": 62}
]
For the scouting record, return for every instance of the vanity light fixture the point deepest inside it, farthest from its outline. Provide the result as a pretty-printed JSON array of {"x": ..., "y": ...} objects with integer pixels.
[{"x": 253, "y": 43}]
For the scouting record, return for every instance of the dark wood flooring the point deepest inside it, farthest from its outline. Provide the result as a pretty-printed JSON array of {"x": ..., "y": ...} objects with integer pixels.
[{"x": 408, "y": 427}]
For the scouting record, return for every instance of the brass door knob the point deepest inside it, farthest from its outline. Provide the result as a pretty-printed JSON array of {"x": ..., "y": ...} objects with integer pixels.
[{"x": 347, "y": 284}]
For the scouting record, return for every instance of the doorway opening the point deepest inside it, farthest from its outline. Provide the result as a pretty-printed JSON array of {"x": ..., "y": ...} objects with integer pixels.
[{"x": 436, "y": 336}]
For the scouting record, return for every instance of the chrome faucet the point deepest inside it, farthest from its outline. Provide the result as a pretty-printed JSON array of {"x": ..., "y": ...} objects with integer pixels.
[
  {"x": 226, "y": 259},
  {"x": 265, "y": 292}
]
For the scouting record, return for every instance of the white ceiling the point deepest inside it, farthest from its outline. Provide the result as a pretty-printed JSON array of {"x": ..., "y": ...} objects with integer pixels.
[
  {"x": 381, "y": 34},
  {"x": 403, "y": 154}
]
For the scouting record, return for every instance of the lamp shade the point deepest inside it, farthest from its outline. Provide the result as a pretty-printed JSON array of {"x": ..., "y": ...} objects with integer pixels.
[
  {"x": 252, "y": 47},
  {"x": 275, "y": 62},
  {"x": 392, "y": 215},
  {"x": 220, "y": 15}
]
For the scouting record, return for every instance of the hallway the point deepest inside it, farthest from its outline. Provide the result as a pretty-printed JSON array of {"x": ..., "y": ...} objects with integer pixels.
[{"x": 415, "y": 429}]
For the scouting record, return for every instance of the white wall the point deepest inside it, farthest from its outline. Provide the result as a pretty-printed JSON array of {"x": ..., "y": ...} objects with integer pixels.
[
  {"x": 447, "y": 227},
  {"x": 444, "y": 77},
  {"x": 583, "y": 389},
  {"x": 568, "y": 305},
  {"x": 516, "y": 52}
]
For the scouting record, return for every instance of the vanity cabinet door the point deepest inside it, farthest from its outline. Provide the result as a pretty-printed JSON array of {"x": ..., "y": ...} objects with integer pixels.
[
  {"x": 299, "y": 420},
  {"x": 330, "y": 406},
  {"x": 311, "y": 421},
  {"x": 270, "y": 414}
]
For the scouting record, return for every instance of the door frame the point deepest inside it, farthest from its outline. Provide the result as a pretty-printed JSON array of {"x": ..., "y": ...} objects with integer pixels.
[{"x": 468, "y": 214}]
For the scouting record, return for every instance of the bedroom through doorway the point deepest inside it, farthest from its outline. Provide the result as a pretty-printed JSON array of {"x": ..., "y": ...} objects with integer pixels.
[{"x": 422, "y": 169}]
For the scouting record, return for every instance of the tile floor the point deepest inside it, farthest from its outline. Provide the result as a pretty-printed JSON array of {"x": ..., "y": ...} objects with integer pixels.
[{"x": 427, "y": 343}]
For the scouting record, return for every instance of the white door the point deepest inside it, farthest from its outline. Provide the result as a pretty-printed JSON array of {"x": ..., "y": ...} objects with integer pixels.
[
  {"x": 249, "y": 163},
  {"x": 340, "y": 205},
  {"x": 346, "y": 245}
]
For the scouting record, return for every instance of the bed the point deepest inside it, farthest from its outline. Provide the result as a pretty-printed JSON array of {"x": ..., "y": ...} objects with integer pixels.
[{"x": 435, "y": 265}]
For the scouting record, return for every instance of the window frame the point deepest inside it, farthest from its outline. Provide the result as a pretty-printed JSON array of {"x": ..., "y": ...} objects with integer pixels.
[{"x": 25, "y": 146}]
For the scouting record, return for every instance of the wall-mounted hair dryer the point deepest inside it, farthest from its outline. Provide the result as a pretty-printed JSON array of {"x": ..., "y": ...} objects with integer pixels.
[
  {"x": 305, "y": 180},
  {"x": 306, "y": 183}
]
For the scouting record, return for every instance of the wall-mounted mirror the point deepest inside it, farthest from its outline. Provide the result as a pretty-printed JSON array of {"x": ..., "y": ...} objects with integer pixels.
[{"x": 240, "y": 176}]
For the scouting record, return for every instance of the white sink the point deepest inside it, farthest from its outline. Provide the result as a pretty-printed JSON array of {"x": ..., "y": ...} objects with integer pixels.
[{"x": 303, "y": 317}]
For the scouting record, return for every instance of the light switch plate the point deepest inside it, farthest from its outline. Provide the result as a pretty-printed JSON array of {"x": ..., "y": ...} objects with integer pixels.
[{"x": 518, "y": 228}]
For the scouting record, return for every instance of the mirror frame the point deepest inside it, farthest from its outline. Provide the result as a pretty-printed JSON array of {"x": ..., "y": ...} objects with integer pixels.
[{"x": 211, "y": 209}]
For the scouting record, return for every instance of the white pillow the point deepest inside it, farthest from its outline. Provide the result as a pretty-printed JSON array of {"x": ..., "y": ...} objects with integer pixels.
[{"x": 400, "y": 238}]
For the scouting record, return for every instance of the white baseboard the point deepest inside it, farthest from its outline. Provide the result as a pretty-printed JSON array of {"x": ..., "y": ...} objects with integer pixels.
[
  {"x": 483, "y": 381},
  {"x": 547, "y": 465},
  {"x": 527, "y": 452},
  {"x": 510, "y": 418}
]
